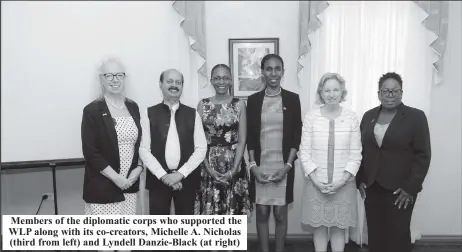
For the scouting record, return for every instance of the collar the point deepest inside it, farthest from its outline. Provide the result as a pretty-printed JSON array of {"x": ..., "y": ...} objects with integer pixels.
[
  {"x": 399, "y": 108},
  {"x": 174, "y": 107}
]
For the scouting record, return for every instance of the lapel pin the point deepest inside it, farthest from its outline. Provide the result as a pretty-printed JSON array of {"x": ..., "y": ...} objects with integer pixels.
[
  {"x": 372, "y": 120},
  {"x": 104, "y": 114},
  {"x": 284, "y": 108}
]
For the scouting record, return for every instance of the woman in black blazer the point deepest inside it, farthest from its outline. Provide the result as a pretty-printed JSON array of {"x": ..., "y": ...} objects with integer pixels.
[
  {"x": 111, "y": 135},
  {"x": 274, "y": 128},
  {"x": 396, "y": 158}
]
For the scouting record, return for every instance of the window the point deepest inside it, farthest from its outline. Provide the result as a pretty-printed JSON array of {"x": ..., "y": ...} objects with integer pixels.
[{"x": 362, "y": 40}]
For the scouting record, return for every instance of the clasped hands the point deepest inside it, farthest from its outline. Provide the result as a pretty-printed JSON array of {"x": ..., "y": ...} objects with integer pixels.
[
  {"x": 276, "y": 177},
  {"x": 125, "y": 183},
  {"x": 221, "y": 178},
  {"x": 327, "y": 188},
  {"x": 173, "y": 180}
]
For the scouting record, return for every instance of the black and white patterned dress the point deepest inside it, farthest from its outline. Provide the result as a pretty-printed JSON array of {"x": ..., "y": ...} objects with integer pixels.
[{"x": 127, "y": 133}]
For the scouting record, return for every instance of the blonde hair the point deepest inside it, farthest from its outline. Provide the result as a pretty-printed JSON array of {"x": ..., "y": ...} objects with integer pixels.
[
  {"x": 100, "y": 71},
  {"x": 323, "y": 80}
]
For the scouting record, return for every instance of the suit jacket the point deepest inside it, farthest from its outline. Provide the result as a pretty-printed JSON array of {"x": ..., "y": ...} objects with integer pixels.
[
  {"x": 291, "y": 135},
  {"x": 404, "y": 157},
  {"x": 100, "y": 150}
]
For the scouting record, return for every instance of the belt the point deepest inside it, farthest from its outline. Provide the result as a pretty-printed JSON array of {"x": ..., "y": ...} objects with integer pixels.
[{"x": 221, "y": 144}]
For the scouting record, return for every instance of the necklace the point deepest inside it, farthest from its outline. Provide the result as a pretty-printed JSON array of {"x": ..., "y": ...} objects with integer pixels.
[
  {"x": 115, "y": 106},
  {"x": 266, "y": 93}
]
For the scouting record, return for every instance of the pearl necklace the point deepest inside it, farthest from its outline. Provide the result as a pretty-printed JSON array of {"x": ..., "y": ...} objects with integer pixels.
[
  {"x": 112, "y": 104},
  {"x": 266, "y": 93}
]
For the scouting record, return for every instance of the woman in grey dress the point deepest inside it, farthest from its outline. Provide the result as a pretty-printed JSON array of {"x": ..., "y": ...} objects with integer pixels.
[{"x": 274, "y": 130}]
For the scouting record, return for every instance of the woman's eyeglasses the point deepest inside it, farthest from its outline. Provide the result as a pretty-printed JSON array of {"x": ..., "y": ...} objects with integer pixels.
[
  {"x": 386, "y": 92},
  {"x": 110, "y": 76}
]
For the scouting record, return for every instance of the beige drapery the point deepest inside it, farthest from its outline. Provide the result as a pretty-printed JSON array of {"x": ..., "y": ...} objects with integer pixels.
[
  {"x": 437, "y": 22},
  {"x": 193, "y": 14},
  {"x": 308, "y": 23}
]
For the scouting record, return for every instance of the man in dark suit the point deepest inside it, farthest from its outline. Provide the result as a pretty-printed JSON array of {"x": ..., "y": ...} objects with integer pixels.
[
  {"x": 172, "y": 147},
  {"x": 396, "y": 158}
]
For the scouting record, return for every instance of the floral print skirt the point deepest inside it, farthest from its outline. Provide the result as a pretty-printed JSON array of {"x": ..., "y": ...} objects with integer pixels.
[{"x": 217, "y": 199}]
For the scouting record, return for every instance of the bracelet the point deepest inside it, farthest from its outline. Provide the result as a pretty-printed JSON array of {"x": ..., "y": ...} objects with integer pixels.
[{"x": 289, "y": 164}]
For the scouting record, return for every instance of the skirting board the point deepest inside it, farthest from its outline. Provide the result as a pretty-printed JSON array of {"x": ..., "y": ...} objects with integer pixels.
[{"x": 425, "y": 240}]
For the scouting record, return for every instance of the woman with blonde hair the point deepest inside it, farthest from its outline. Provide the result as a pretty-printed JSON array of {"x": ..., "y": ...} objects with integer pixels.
[
  {"x": 111, "y": 136},
  {"x": 330, "y": 154}
]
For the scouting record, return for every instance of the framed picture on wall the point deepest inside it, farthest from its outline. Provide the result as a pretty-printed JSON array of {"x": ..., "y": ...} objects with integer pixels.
[{"x": 245, "y": 57}]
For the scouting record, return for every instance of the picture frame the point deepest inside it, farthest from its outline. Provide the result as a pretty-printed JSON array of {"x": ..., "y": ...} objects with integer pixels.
[{"x": 245, "y": 55}]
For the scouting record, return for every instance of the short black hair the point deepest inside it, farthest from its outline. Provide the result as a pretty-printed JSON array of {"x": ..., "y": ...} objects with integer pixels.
[
  {"x": 218, "y": 66},
  {"x": 391, "y": 75},
  {"x": 270, "y": 56},
  {"x": 163, "y": 72}
]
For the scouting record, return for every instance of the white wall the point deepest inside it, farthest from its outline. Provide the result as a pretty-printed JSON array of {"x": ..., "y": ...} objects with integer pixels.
[
  {"x": 436, "y": 213},
  {"x": 248, "y": 19},
  {"x": 242, "y": 19},
  {"x": 439, "y": 207},
  {"x": 152, "y": 41},
  {"x": 50, "y": 51}
]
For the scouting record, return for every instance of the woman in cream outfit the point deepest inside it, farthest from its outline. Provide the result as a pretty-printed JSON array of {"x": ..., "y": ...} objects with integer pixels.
[{"x": 330, "y": 153}]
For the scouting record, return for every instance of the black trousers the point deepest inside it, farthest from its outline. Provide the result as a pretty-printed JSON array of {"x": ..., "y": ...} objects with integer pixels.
[
  {"x": 388, "y": 227},
  {"x": 160, "y": 201}
]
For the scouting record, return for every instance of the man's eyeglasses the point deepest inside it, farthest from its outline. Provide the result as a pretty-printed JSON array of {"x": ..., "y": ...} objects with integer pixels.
[
  {"x": 110, "y": 76},
  {"x": 225, "y": 79},
  {"x": 386, "y": 92}
]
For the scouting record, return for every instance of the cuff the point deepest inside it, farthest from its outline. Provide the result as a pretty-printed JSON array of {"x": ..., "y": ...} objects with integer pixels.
[
  {"x": 411, "y": 189},
  {"x": 309, "y": 168},
  {"x": 183, "y": 170},
  {"x": 159, "y": 173},
  {"x": 352, "y": 168}
]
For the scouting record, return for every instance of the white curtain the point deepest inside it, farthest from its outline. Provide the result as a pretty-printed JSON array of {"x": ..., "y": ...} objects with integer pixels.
[{"x": 361, "y": 40}]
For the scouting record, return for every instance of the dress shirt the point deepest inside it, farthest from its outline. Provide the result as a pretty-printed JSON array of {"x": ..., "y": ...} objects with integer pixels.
[{"x": 200, "y": 148}]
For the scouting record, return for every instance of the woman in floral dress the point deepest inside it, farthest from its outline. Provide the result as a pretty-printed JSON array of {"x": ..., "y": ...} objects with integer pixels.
[{"x": 225, "y": 180}]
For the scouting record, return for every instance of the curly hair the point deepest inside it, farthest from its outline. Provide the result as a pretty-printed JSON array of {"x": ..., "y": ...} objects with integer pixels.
[{"x": 391, "y": 75}]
